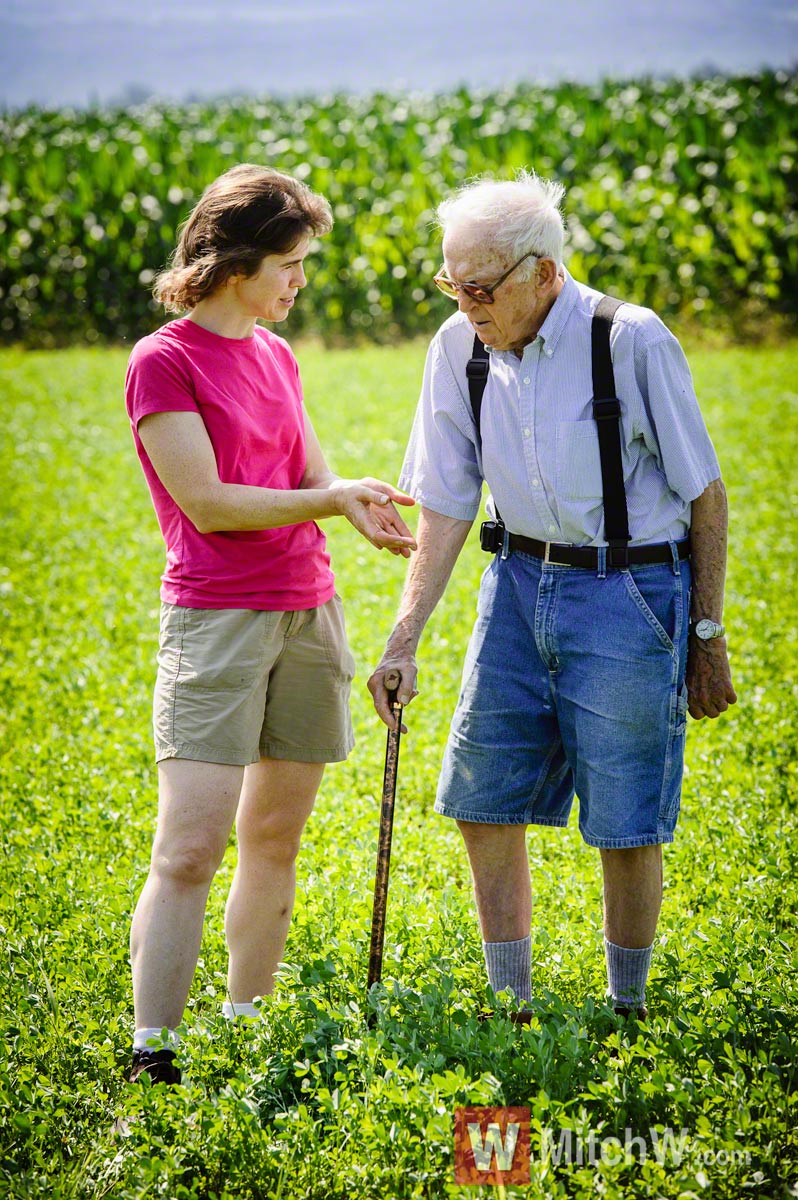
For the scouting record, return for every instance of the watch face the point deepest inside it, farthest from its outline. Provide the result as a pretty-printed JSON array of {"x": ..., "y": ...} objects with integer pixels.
[{"x": 707, "y": 629}]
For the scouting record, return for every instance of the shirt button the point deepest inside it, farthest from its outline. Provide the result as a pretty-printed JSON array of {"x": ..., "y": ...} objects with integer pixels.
[
  {"x": 527, "y": 379},
  {"x": 527, "y": 431},
  {"x": 552, "y": 528},
  {"x": 535, "y": 483}
]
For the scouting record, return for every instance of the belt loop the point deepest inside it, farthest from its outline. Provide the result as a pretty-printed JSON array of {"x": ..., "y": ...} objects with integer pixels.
[
  {"x": 602, "y": 562},
  {"x": 506, "y": 545},
  {"x": 675, "y": 554}
]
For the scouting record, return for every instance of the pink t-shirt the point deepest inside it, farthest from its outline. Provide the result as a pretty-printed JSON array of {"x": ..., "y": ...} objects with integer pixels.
[{"x": 249, "y": 396}]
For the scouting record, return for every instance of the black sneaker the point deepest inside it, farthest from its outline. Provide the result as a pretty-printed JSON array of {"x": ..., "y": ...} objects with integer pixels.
[
  {"x": 622, "y": 1010},
  {"x": 523, "y": 1016},
  {"x": 158, "y": 1064}
]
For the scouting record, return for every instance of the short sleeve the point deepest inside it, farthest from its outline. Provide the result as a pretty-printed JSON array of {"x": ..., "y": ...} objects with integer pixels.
[
  {"x": 680, "y": 440},
  {"x": 157, "y": 380},
  {"x": 441, "y": 470}
]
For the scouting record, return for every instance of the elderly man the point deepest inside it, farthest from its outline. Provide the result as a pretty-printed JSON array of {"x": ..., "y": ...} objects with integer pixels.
[{"x": 599, "y": 615}]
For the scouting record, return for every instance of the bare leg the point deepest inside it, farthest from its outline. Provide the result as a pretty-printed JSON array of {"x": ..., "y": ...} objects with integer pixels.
[
  {"x": 632, "y": 895},
  {"x": 276, "y": 801},
  {"x": 500, "y": 869},
  {"x": 197, "y": 803}
]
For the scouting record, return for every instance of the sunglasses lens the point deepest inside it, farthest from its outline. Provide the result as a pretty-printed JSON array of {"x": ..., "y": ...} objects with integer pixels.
[
  {"x": 477, "y": 293},
  {"x": 446, "y": 286},
  {"x": 472, "y": 290}
]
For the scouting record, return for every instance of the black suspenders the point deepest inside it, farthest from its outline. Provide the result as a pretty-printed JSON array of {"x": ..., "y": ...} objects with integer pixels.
[
  {"x": 607, "y": 415},
  {"x": 477, "y": 371}
]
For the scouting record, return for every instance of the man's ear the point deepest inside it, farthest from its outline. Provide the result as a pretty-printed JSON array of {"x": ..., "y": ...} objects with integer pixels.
[{"x": 546, "y": 273}]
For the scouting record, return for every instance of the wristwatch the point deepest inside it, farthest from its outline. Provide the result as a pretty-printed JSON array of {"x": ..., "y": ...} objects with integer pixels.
[{"x": 705, "y": 630}]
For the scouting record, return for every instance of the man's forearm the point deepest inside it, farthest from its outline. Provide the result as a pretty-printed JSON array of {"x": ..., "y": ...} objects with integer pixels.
[
  {"x": 709, "y": 683},
  {"x": 440, "y": 540},
  {"x": 708, "y": 538}
]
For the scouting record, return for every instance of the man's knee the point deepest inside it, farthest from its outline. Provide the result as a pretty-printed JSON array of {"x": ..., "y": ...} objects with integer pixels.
[
  {"x": 631, "y": 858},
  {"x": 633, "y": 867},
  {"x": 477, "y": 837},
  {"x": 484, "y": 831}
]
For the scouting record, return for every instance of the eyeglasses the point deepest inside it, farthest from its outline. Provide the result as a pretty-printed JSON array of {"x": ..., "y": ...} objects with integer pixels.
[{"x": 475, "y": 291}]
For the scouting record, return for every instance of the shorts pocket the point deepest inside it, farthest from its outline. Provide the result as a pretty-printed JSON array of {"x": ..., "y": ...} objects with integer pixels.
[
  {"x": 221, "y": 649},
  {"x": 170, "y": 642},
  {"x": 332, "y": 628},
  {"x": 655, "y": 600}
]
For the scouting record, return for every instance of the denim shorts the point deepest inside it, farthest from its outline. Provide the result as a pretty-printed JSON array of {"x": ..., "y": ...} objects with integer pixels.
[{"x": 573, "y": 682}]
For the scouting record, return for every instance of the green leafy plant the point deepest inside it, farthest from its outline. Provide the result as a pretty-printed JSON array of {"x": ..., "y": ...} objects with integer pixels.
[{"x": 312, "y": 1102}]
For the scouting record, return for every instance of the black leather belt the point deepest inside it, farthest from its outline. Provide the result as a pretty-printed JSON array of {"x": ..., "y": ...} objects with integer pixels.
[{"x": 587, "y": 556}]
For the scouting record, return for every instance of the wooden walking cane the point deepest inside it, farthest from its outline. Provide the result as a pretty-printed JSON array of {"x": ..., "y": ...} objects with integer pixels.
[{"x": 392, "y": 681}]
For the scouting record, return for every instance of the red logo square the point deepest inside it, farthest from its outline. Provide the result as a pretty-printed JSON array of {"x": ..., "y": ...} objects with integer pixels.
[{"x": 491, "y": 1145}]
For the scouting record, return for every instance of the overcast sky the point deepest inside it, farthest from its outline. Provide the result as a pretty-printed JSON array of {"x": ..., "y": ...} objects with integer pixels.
[{"x": 54, "y": 52}]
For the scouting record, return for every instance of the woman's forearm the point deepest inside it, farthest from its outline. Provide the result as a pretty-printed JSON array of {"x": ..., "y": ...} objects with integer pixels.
[{"x": 241, "y": 507}]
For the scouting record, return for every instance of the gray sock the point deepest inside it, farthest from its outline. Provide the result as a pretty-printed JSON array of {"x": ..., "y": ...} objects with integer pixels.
[
  {"x": 509, "y": 966},
  {"x": 627, "y": 972}
]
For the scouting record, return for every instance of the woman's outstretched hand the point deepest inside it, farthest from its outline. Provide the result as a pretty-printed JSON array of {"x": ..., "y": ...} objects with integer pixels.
[{"x": 368, "y": 504}]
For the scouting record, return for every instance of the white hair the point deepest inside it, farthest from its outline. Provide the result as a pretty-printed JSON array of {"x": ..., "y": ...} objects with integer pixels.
[{"x": 515, "y": 215}]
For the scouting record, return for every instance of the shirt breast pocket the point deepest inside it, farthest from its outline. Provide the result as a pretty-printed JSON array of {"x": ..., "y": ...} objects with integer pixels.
[{"x": 578, "y": 461}]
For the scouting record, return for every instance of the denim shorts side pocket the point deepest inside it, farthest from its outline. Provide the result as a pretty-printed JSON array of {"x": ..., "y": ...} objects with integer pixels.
[{"x": 667, "y": 592}]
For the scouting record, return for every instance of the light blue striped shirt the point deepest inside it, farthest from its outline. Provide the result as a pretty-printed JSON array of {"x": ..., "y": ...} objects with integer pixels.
[{"x": 539, "y": 452}]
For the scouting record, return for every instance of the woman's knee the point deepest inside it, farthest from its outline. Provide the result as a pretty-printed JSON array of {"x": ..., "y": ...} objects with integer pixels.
[
  {"x": 188, "y": 863},
  {"x": 276, "y": 838}
]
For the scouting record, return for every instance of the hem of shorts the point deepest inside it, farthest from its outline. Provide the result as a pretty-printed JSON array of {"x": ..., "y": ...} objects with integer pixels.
[
  {"x": 482, "y": 818},
  {"x": 197, "y": 753},
  {"x": 286, "y": 753},
  {"x": 629, "y": 843}
]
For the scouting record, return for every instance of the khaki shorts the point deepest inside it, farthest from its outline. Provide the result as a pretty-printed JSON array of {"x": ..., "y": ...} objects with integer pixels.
[{"x": 236, "y": 685}]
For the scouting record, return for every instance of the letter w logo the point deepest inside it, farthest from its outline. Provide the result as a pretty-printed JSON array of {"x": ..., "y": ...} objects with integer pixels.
[
  {"x": 491, "y": 1145},
  {"x": 483, "y": 1151}
]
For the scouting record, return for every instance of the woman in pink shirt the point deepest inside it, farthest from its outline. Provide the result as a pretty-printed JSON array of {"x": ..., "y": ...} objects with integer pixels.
[{"x": 254, "y": 672}]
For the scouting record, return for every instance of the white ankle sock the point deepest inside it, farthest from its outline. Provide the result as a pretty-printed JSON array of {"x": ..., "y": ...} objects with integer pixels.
[
  {"x": 143, "y": 1037},
  {"x": 239, "y": 1008}
]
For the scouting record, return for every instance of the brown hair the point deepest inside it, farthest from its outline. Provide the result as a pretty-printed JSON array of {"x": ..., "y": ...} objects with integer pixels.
[{"x": 241, "y": 217}]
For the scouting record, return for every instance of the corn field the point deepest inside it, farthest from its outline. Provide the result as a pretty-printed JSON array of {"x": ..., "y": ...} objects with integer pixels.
[{"x": 681, "y": 194}]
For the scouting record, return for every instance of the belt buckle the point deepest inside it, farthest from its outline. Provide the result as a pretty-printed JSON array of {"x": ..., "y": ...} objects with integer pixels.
[{"x": 546, "y": 557}]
